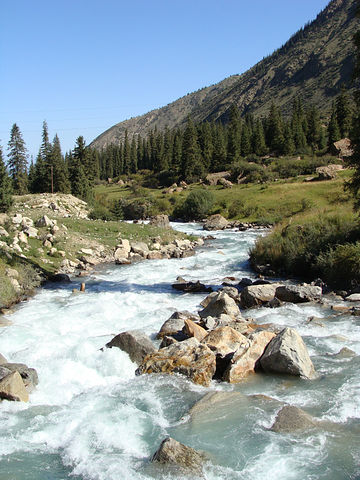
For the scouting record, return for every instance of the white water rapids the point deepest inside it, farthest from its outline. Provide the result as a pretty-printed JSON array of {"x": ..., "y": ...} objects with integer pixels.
[{"x": 91, "y": 418}]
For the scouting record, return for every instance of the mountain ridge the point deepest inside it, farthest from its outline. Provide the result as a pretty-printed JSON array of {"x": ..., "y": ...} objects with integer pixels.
[{"x": 314, "y": 63}]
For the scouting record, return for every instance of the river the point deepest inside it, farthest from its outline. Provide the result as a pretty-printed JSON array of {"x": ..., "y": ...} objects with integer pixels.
[{"x": 91, "y": 418}]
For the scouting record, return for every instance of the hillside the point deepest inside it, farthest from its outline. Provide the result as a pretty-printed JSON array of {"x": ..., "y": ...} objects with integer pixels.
[{"x": 314, "y": 63}]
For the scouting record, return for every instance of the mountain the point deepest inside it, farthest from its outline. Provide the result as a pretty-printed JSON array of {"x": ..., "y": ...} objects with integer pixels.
[{"x": 314, "y": 64}]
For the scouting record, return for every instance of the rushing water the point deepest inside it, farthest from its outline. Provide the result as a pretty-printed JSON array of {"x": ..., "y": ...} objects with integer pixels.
[{"x": 92, "y": 418}]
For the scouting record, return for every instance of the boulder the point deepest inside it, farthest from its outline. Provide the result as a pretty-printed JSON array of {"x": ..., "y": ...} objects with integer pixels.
[
  {"x": 31, "y": 232},
  {"x": 174, "y": 454},
  {"x": 220, "y": 303},
  {"x": 190, "y": 358},
  {"x": 254, "y": 295},
  {"x": 2, "y": 359},
  {"x": 155, "y": 255},
  {"x": 161, "y": 221},
  {"x": 224, "y": 340},
  {"x": 204, "y": 303},
  {"x": 4, "y": 218},
  {"x": 342, "y": 148},
  {"x": 191, "y": 287},
  {"x": 291, "y": 419},
  {"x": 12, "y": 388},
  {"x": 4, "y": 372},
  {"x": 298, "y": 293},
  {"x": 140, "y": 248},
  {"x": 325, "y": 173},
  {"x": 191, "y": 329},
  {"x": 175, "y": 323},
  {"x": 287, "y": 353},
  {"x": 247, "y": 355},
  {"x": 355, "y": 297},
  {"x": 225, "y": 183},
  {"x": 213, "y": 178},
  {"x": 17, "y": 219},
  {"x": 233, "y": 292},
  {"x": 28, "y": 375},
  {"x": 135, "y": 343},
  {"x": 3, "y": 232},
  {"x": 215, "y": 222},
  {"x": 44, "y": 221}
]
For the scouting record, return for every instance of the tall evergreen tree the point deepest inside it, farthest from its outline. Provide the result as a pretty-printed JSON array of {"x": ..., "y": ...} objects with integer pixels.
[
  {"x": 133, "y": 156},
  {"x": 333, "y": 128},
  {"x": 80, "y": 184},
  {"x": 5, "y": 186},
  {"x": 275, "y": 130},
  {"x": 59, "y": 171},
  {"x": 234, "y": 128},
  {"x": 17, "y": 163},
  {"x": 344, "y": 113},
  {"x": 191, "y": 162},
  {"x": 127, "y": 159}
]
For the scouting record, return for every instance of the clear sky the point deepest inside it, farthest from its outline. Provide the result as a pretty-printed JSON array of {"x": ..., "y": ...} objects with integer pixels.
[{"x": 84, "y": 65}]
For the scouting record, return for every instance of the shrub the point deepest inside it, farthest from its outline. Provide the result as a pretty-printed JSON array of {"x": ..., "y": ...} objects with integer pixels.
[
  {"x": 196, "y": 206},
  {"x": 101, "y": 212}
]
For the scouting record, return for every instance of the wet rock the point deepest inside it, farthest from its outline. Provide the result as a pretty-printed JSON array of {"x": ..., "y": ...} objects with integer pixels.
[
  {"x": 191, "y": 287},
  {"x": 220, "y": 303},
  {"x": 12, "y": 388},
  {"x": 140, "y": 248},
  {"x": 298, "y": 293},
  {"x": 209, "y": 323},
  {"x": 175, "y": 454},
  {"x": 28, "y": 375},
  {"x": 4, "y": 372},
  {"x": 167, "y": 341},
  {"x": 2, "y": 359},
  {"x": 246, "y": 357},
  {"x": 245, "y": 282},
  {"x": 255, "y": 295},
  {"x": 215, "y": 222},
  {"x": 344, "y": 353},
  {"x": 122, "y": 251},
  {"x": 291, "y": 419},
  {"x": 219, "y": 400},
  {"x": 233, "y": 292},
  {"x": 154, "y": 255},
  {"x": 175, "y": 323},
  {"x": 191, "y": 329},
  {"x": 161, "y": 221},
  {"x": 287, "y": 353},
  {"x": 135, "y": 343},
  {"x": 224, "y": 340},
  {"x": 190, "y": 358},
  {"x": 355, "y": 297}
]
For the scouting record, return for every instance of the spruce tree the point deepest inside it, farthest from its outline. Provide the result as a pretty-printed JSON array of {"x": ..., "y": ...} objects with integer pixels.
[
  {"x": 258, "y": 139},
  {"x": 343, "y": 113},
  {"x": 219, "y": 156},
  {"x": 127, "y": 159},
  {"x": 60, "y": 174},
  {"x": 191, "y": 163},
  {"x": 80, "y": 184},
  {"x": 275, "y": 135},
  {"x": 133, "y": 156},
  {"x": 5, "y": 186},
  {"x": 245, "y": 140},
  {"x": 17, "y": 163},
  {"x": 333, "y": 128},
  {"x": 234, "y": 129}
]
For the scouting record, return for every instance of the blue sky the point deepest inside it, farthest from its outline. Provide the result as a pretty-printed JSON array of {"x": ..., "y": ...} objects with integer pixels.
[{"x": 84, "y": 65}]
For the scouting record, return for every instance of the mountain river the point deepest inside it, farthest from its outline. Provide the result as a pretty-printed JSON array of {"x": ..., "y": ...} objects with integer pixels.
[{"x": 91, "y": 418}]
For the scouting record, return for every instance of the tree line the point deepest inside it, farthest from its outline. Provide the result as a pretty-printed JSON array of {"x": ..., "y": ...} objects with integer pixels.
[{"x": 188, "y": 153}]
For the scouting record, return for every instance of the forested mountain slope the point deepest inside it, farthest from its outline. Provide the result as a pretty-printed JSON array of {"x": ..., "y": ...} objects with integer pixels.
[{"x": 313, "y": 64}]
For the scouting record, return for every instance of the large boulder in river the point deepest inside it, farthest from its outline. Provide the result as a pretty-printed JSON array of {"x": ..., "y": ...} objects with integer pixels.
[
  {"x": 224, "y": 340},
  {"x": 220, "y": 303},
  {"x": 246, "y": 357},
  {"x": 135, "y": 343},
  {"x": 2, "y": 359},
  {"x": 287, "y": 353},
  {"x": 175, "y": 323},
  {"x": 255, "y": 295},
  {"x": 190, "y": 358},
  {"x": 175, "y": 454},
  {"x": 290, "y": 419},
  {"x": 215, "y": 222},
  {"x": 190, "y": 287},
  {"x": 191, "y": 329},
  {"x": 13, "y": 388},
  {"x": 28, "y": 375},
  {"x": 298, "y": 293}
]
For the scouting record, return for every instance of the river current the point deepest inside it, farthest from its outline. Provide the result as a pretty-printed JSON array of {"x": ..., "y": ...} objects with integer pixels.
[{"x": 91, "y": 418}]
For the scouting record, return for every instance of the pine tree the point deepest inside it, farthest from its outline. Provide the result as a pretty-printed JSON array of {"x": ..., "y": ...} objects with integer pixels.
[
  {"x": 127, "y": 160},
  {"x": 206, "y": 143},
  {"x": 17, "y": 163},
  {"x": 333, "y": 128},
  {"x": 289, "y": 144},
  {"x": 275, "y": 135},
  {"x": 343, "y": 113},
  {"x": 133, "y": 156},
  {"x": 80, "y": 184},
  {"x": 258, "y": 139},
  {"x": 314, "y": 128},
  {"x": 5, "y": 186},
  {"x": 234, "y": 130},
  {"x": 59, "y": 171},
  {"x": 245, "y": 140},
  {"x": 191, "y": 162},
  {"x": 219, "y": 155}
]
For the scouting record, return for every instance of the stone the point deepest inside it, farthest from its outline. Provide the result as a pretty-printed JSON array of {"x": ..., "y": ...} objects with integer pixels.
[
  {"x": 15, "y": 284},
  {"x": 255, "y": 295},
  {"x": 287, "y": 353},
  {"x": 27, "y": 222},
  {"x": 220, "y": 303},
  {"x": 189, "y": 358},
  {"x": 233, "y": 292},
  {"x": 209, "y": 323},
  {"x": 224, "y": 340},
  {"x": 191, "y": 287},
  {"x": 345, "y": 352},
  {"x": 86, "y": 251},
  {"x": 43, "y": 221},
  {"x": 140, "y": 248},
  {"x": 215, "y": 222},
  {"x": 4, "y": 372},
  {"x": 59, "y": 277},
  {"x": 291, "y": 419},
  {"x": 355, "y": 297},
  {"x": 22, "y": 237},
  {"x": 122, "y": 251},
  {"x": 12, "y": 388},
  {"x": 342, "y": 148},
  {"x": 135, "y": 343},
  {"x": 154, "y": 255},
  {"x": 3, "y": 232},
  {"x": 28, "y": 375},
  {"x": 167, "y": 341},
  {"x": 161, "y": 221},
  {"x": 175, "y": 454},
  {"x": 225, "y": 183},
  {"x": 213, "y": 178},
  {"x": 4, "y": 218},
  {"x": 298, "y": 293},
  {"x": 12, "y": 273},
  {"x": 17, "y": 219},
  {"x": 191, "y": 329},
  {"x": 246, "y": 357},
  {"x": 2, "y": 359},
  {"x": 175, "y": 323},
  {"x": 31, "y": 232},
  {"x": 220, "y": 400}
]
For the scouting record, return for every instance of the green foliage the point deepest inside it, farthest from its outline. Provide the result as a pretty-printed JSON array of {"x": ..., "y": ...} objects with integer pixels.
[
  {"x": 5, "y": 187},
  {"x": 196, "y": 206},
  {"x": 17, "y": 163}
]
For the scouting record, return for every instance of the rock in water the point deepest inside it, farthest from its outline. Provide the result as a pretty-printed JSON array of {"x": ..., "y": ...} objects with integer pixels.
[
  {"x": 220, "y": 303},
  {"x": 298, "y": 293},
  {"x": 215, "y": 222},
  {"x": 175, "y": 323},
  {"x": 287, "y": 353},
  {"x": 12, "y": 388},
  {"x": 135, "y": 343},
  {"x": 191, "y": 329},
  {"x": 246, "y": 357},
  {"x": 161, "y": 221},
  {"x": 290, "y": 419},
  {"x": 255, "y": 295},
  {"x": 190, "y": 358},
  {"x": 28, "y": 375},
  {"x": 173, "y": 453}
]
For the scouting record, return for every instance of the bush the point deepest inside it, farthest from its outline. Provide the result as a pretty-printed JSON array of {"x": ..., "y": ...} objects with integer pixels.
[
  {"x": 101, "y": 212},
  {"x": 340, "y": 266},
  {"x": 196, "y": 206}
]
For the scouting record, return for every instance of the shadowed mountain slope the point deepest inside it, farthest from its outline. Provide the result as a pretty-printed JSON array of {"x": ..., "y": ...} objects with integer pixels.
[{"x": 313, "y": 64}]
